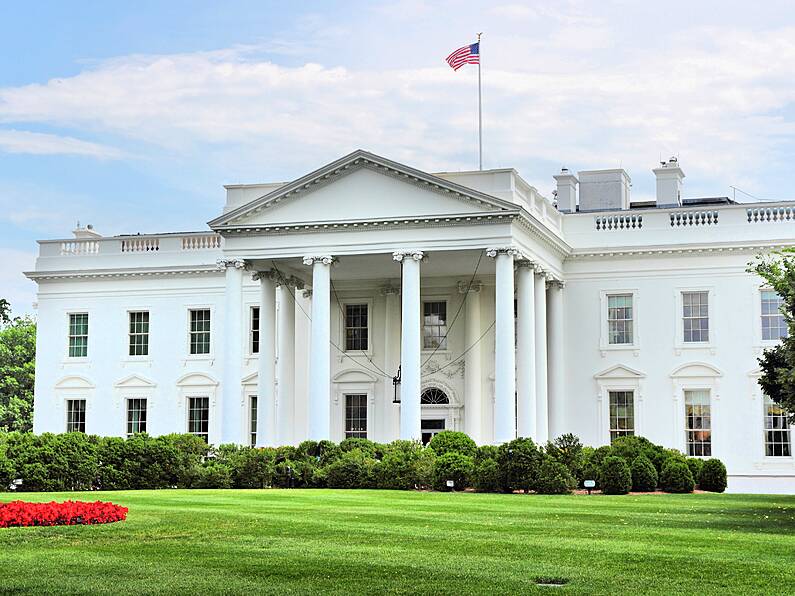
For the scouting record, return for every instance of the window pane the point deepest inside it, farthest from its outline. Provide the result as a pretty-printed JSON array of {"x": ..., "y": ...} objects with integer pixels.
[
  {"x": 434, "y": 325},
  {"x": 695, "y": 316},
  {"x": 253, "y": 420},
  {"x": 200, "y": 331},
  {"x": 356, "y": 327},
  {"x": 620, "y": 319},
  {"x": 139, "y": 333},
  {"x": 199, "y": 416},
  {"x": 254, "y": 345},
  {"x": 698, "y": 423},
  {"x": 778, "y": 442},
  {"x": 78, "y": 335},
  {"x": 356, "y": 416},
  {"x": 76, "y": 415},
  {"x": 622, "y": 413},
  {"x": 136, "y": 416},
  {"x": 774, "y": 325}
]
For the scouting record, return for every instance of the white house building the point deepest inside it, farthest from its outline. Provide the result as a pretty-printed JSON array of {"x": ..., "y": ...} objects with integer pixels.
[{"x": 501, "y": 312}]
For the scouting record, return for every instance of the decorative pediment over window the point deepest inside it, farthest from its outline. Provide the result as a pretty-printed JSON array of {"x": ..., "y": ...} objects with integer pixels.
[
  {"x": 695, "y": 370},
  {"x": 251, "y": 379},
  {"x": 196, "y": 380},
  {"x": 134, "y": 381},
  {"x": 354, "y": 376},
  {"x": 361, "y": 187},
  {"x": 74, "y": 382},
  {"x": 619, "y": 371}
]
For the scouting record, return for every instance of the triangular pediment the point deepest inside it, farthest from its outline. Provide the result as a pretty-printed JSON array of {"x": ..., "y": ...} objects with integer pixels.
[
  {"x": 619, "y": 371},
  {"x": 361, "y": 187},
  {"x": 134, "y": 381}
]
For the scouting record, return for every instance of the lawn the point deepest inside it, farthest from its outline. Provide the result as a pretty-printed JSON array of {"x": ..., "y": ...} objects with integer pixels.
[{"x": 324, "y": 541}]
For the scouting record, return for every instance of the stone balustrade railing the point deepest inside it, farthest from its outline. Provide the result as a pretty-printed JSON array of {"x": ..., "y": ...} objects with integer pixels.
[{"x": 139, "y": 244}]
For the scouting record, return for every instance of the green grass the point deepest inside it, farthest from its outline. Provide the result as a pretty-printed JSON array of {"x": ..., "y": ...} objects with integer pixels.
[{"x": 324, "y": 541}]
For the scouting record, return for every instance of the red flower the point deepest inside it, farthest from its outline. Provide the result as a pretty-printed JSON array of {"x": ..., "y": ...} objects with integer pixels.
[{"x": 68, "y": 513}]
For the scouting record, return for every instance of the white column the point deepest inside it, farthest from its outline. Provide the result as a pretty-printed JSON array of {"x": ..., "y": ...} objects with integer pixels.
[
  {"x": 504, "y": 347},
  {"x": 556, "y": 366},
  {"x": 525, "y": 350},
  {"x": 473, "y": 379},
  {"x": 231, "y": 409},
  {"x": 285, "y": 370},
  {"x": 320, "y": 349},
  {"x": 266, "y": 365},
  {"x": 542, "y": 416},
  {"x": 410, "y": 346},
  {"x": 390, "y": 428}
]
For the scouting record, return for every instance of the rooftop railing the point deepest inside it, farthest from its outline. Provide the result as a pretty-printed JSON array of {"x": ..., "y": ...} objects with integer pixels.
[{"x": 139, "y": 244}]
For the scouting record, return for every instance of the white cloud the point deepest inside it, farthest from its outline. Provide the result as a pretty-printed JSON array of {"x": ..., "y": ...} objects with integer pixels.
[{"x": 22, "y": 141}]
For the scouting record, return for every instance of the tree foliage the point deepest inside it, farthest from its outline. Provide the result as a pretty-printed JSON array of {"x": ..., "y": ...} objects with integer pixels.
[
  {"x": 17, "y": 370},
  {"x": 778, "y": 363}
]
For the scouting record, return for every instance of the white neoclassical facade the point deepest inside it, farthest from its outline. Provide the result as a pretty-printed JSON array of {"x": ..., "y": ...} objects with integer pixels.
[{"x": 370, "y": 299}]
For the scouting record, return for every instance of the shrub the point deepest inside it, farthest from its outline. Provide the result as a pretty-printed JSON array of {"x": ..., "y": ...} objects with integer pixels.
[
  {"x": 6, "y": 470},
  {"x": 568, "y": 450},
  {"x": 695, "y": 466},
  {"x": 713, "y": 476},
  {"x": 519, "y": 461},
  {"x": 365, "y": 445},
  {"x": 615, "y": 477},
  {"x": 676, "y": 477},
  {"x": 353, "y": 469},
  {"x": 486, "y": 476},
  {"x": 644, "y": 475},
  {"x": 452, "y": 466},
  {"x": 399, "y": 466},
  {"x": 554, "y": 478},
  {"x": 252, "y": 467},
  {"x": 452, "y": 441},
  {"x": 592, "y": 462},
  {"x": 485, "y": 452},
  {"x": 213, "y": 474}
]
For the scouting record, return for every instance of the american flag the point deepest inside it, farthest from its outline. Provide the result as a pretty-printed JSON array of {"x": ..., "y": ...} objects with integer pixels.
[{"x": 467, "y": 55}]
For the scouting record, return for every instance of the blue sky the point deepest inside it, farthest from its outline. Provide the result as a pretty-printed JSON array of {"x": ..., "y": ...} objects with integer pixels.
[{"x": 131, "y": 116}]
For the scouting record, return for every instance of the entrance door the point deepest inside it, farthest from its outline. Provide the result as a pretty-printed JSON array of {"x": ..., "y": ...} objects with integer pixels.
[{"x": 431, "y": 427}]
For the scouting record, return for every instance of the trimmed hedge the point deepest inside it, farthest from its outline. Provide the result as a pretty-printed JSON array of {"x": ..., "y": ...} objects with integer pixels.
[
  {"x": 615, "y": 477},
  {"x": 644, "y": 475},
  {"x": 554, "y": 478},
  {"x": 449, "y": 441},
  {"x": 452, "y": 466},
  {"x": 713, "y": 476},
  {"x": 676, "y": 477}
]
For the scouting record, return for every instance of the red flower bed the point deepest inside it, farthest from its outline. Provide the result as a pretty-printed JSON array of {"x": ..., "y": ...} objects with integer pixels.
[{"x": 68, "y": 513}]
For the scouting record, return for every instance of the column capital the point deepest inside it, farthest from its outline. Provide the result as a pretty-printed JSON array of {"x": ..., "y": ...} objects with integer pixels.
[
  {"x": 464, "y": 287},
  {"x": 312, "y": 259},
  {"x": 389, "y": 291},
  {"x": 290, "y": 281},
  {"x": 267, "y": 274},
  {"x": 229, "y": 263},
  {"x": 503, "y": 250},
  {"x": 399, "y": 255},
  {"x": 553, "y": 282},
  {"x": 525, "y": 263},
  {"x": 307, "y": 293}
]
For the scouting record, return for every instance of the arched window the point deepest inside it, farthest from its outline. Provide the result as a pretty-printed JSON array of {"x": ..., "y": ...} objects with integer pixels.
[{"x": 434, "y": 397}]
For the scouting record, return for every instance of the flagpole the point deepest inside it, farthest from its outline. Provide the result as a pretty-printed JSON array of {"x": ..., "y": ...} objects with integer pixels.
[{"x": 480, "y": 110}]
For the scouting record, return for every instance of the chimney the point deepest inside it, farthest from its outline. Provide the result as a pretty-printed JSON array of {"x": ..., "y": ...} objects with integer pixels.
[
  {"x": 567, "y": 191},
  {"x": 669, "y": 183},
  {"x": 604, "y": 190},
  {"x": 85, "y": 232}
]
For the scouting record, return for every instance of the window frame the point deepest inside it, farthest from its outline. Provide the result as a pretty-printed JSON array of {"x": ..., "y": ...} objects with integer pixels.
[
  {"x": 604, "y": 339},
  {"x": 253, "y": 330},
  {"x": 761, "y": 318},
  {"x": 69, "y": 315},
  {"x": 195, "y": 307},
  {"x": 128, "y": 411},
  {"x": 356, "y": 434},
  {"x": 685, "y": 423},
  {"x": 188, "y": 409},
  {"x": 67, "y": 403},
  {"x": 253, "y": 413},
  {"x": 438, "y": 299},
  {"x": 610, "y": 428},
  {"x": 344, "y": 325},
  {"x": 681, "y": 344},
  {"x": 129, "y": 336},
  {"x": 765, "y": 430}
]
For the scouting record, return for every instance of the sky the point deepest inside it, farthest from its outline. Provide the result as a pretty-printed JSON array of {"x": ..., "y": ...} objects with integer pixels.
[{"x": 132, "y": 116}]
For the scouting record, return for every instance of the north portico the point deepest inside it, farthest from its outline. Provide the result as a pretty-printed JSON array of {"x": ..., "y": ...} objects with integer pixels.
[{"x": 365, "y": 223}]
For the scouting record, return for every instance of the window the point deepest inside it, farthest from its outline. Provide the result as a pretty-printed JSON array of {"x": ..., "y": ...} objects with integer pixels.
[
  {"x": 619, "y": 319},
  {"x": 774, "y": 326},
  {"x": 431, "y": 427},
  {"x": 695, "y": 316},
  {"x": 139, "y": 333},
  {"x": 778, "y": 440},
  {"x": 200, "y": 331},
  {"x": 698, "y": 423},
  {"x": 78, "y": 335},
  {"x": 199, "y": 417},
  {"x": 75, "y": 415},
  {"x": 254, "y": 331},
  {"x": 136, "y": 416},
  {"x": 252, "y": 408},
  {"x": 356, "y": 336},
  {"x": 622, "y": 414},
  {"x": 434, "y": 325},
  {"x": 434, "y": 396},
  {"x": 356, "y": 416}
]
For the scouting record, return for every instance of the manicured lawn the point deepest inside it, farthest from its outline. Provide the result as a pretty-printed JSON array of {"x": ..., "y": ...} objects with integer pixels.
[{"x": 323, "y": 541}]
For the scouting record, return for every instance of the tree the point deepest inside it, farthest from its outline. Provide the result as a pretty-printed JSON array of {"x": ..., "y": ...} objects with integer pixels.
[
  {"x": 778, "y": 363},
  {"x": 5, "y": 312},
  {"x": 17, "y": 370}
]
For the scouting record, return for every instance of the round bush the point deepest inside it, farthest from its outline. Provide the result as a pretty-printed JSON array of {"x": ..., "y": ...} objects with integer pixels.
[
  {"x": 213, "y": 474},
  {"x": 399, "y": 468},
  {"x": 554, "y": 478},
  {"x": 695, "y": 466},
  {"x": 615, "y": 477},
  {"x": 519, "y": 461},
  {"x": 366, "y": 445},
  {"x": 354, "y": 469},
  {"x": 644, "y": 475},
  {"x": 453, "y": 441},
  {"x": 486, "y": 476},
  {"x": 452, "y": 466},
  {"x": 713, "y": 476},
  {"x": 676, "y": 477}
]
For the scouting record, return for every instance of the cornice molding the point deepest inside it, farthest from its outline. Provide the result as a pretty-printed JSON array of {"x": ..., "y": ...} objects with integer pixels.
[
  {"x": 122, "y": 273},
  {"x": 746, "y": 247}
]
